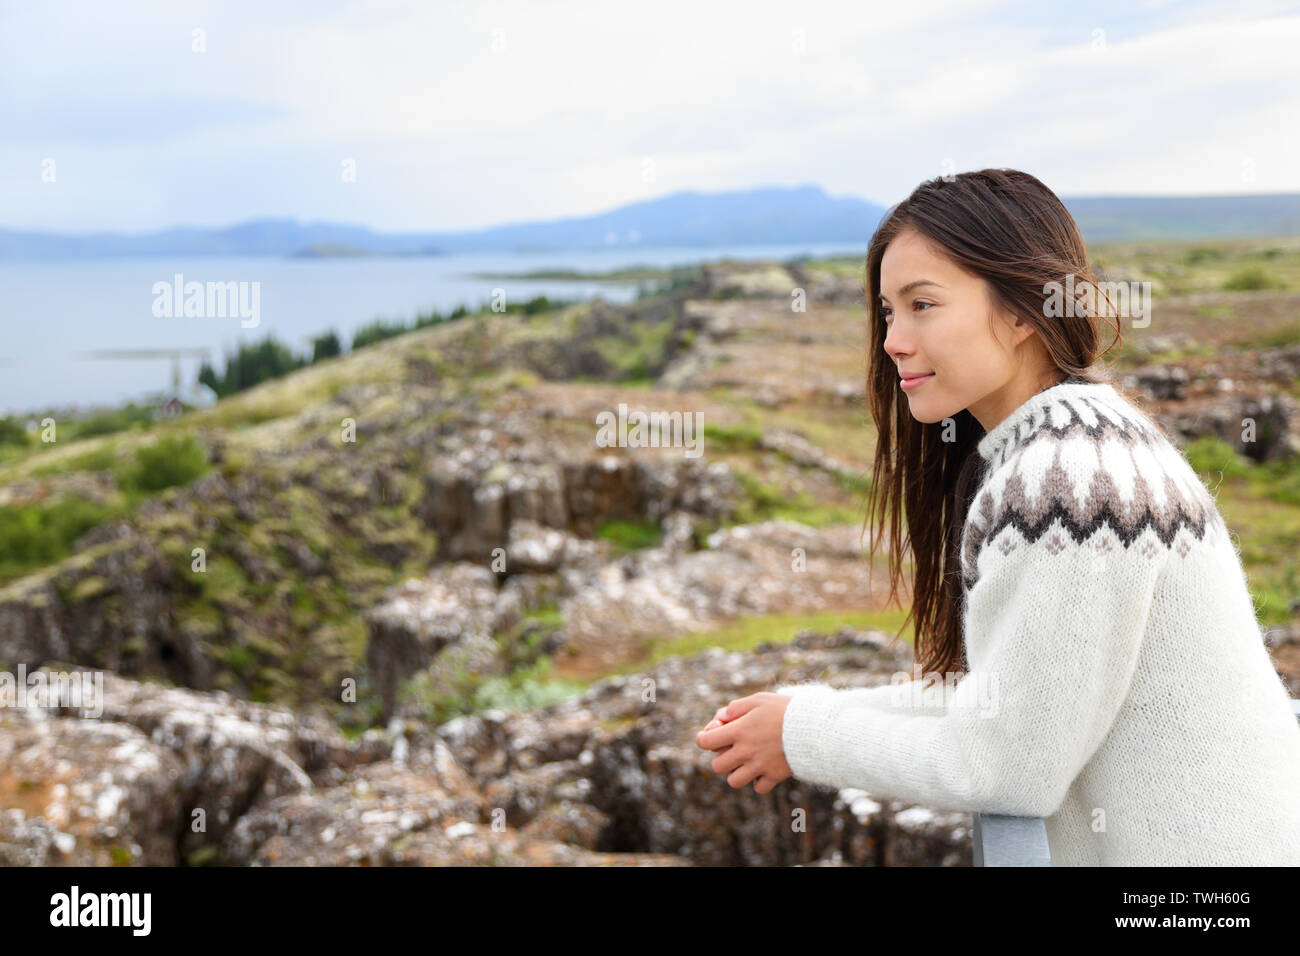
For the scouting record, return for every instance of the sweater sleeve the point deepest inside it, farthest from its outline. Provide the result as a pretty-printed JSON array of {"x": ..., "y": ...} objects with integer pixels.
[
  {"x": 904, "y": 697},
  {"x": 1053, "y": 625}
]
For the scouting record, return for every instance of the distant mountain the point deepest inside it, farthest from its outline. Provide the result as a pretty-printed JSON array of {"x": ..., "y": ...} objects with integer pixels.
[
  {"x": 259, "y": 237},
  {"x": 752, "y": 216},
  {"x": 777, "y": 215},
  {"x": 1105, "y": 218}
]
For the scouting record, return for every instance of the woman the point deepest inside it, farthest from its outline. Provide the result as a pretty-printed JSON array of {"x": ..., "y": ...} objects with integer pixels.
[{"x": 1074, "y": 583}]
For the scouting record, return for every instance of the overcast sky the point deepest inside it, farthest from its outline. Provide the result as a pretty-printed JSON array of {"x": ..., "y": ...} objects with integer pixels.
[{"x": 462, "y": 115}]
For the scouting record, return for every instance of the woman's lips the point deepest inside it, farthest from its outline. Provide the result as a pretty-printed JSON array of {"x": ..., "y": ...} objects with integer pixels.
[{"x": 910, "y": 383}]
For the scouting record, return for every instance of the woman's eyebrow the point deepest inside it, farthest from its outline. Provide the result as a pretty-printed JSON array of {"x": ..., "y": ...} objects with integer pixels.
[{"x": 912, "y": 285}]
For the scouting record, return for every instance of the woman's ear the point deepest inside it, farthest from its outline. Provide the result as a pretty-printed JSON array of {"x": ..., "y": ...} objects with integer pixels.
[{"x": 1021, "y": 329}]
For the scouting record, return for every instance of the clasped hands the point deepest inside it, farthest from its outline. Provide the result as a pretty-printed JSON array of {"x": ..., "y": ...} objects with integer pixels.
[{"x": 746, "y": 734}]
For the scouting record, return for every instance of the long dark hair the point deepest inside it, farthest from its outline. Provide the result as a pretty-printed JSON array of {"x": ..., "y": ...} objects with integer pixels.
[{"x": 1011, "y": 230}]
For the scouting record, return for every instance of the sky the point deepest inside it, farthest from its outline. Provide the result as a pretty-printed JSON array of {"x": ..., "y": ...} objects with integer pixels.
[{"x": 461, "y": 115}]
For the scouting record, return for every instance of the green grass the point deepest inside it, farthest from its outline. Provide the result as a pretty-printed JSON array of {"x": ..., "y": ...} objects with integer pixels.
[
  {"x": 1216, "y": 460},
  {"x": 1201, "y": 254},
  {"x": 128, "y": 417},
  {"x": 524, "y": 688},
  {"x": 174, "y": 459},
  {"x": 103, "y": 458},
  {"x": 1278, "y": 338},
  {"x": 532, "y": 687},
  {"x": 35, "y": 535},
  {"x": 1181, "y": 267},
  {"x": 32, "y": 536},
  {"x": 1261, "y": 505},
  {"x": 629, "y": 536},
  {"x": 732, "y": 437},
  {"x": 1251, "y": 278},
  {"x": 637, "y": 358},
  {"x": 763, "y": 502},
  {"x": 1212, "y": 456},
  {"x": 746, "y": 633}
]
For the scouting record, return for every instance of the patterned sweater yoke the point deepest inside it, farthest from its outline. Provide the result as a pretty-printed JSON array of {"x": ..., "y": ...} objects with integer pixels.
[
  {"x": 1077, "y": 459},
  {"x": 1118, "y": 684}
]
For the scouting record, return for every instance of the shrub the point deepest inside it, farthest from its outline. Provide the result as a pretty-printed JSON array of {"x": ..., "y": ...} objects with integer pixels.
[
  {"x": 1210, "y": 455},
  {"x": 251, "y": 365},
  {"x": 377, "y": 331},
  {"x": 326, "y": 346},
  {"x": 172, "y": 460},
  {"x": 1249, "y": 279},
  {"x": 108, "y": 423},
  {"x": 32, "y": 536},
  {"x": 1195, "y": 257},
  {"x": 12, "y": 432}
]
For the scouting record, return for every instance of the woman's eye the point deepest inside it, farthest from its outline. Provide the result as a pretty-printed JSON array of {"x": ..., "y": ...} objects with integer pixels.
[{"x": 886, "y": 311}]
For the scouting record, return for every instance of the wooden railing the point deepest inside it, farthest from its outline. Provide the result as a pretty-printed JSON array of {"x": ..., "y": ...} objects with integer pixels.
[{"x": 1021, "y": 841}]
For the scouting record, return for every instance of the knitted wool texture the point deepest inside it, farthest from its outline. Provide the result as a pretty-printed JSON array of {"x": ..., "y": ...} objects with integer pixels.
[{"x": 1118, "y": 683}]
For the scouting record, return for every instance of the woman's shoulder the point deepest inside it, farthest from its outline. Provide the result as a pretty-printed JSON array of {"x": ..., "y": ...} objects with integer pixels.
[{"x": 1084, "y": 454}]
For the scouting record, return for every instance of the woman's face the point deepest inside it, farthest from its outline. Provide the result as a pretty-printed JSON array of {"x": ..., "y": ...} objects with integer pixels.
[{"x": 938, "y": 321}]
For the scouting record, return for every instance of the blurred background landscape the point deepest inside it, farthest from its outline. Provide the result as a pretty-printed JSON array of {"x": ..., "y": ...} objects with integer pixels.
[{"x": 364, "y": 586}]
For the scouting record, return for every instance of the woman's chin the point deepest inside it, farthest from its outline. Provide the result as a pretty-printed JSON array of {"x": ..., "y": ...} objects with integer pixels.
[{"x": 927, "y": 413}]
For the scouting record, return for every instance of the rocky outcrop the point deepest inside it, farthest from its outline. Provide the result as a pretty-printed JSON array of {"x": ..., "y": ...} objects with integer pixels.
[
  {"x": 471, "y": 502},
  {"x": 801, "y": 451},
  {"x": 591, "y": 340},
  {"x": 1162, "y": 382},
  {"x": 781, "y": 281},
  {"x": 86, "y": 793},
  {"x": 457, "y": 604},
  {"x": 1220, "y": 399},
  {"x": 746, "y": 281},
  {"x": 155, "y": 775},
  {"x": 611, "y": 778},
  {"x": 1280, "y": 365},
  {"x": 617, "y": 771},
  {"x": 829, "y": 288},
  {"x": 109, "y": 607},
  {"x": 659, "y": 593},
  {"x": 610, "y": 607},
  {"x": 1259, "y": 427}
]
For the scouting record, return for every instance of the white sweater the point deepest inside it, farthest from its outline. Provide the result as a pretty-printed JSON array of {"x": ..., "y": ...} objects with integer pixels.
[{"x": 1118, "y": 682}]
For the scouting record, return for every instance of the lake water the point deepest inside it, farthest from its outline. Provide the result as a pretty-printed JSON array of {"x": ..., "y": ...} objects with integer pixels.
[{"x": 54, "y": 312}]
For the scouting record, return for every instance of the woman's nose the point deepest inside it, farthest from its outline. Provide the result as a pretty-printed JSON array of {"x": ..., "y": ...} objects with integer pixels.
[{"x": 895, "y": 346}]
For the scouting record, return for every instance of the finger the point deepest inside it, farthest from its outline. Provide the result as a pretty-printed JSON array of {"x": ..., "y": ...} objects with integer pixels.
[
  {"x": 727, "y": 761},
  {"x": 742, "y": 705},
  {"x": 743, "y": 775},
  {"x": 716, "y": 738}
]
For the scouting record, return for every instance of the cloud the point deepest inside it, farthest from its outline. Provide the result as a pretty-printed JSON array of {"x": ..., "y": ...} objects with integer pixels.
[{"x": 462, "y": 115}]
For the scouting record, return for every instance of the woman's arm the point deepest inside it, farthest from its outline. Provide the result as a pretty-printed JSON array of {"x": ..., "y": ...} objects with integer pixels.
[
  {"x": 1054, "y": 625},
  {"x": 907, "y": 697}
]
